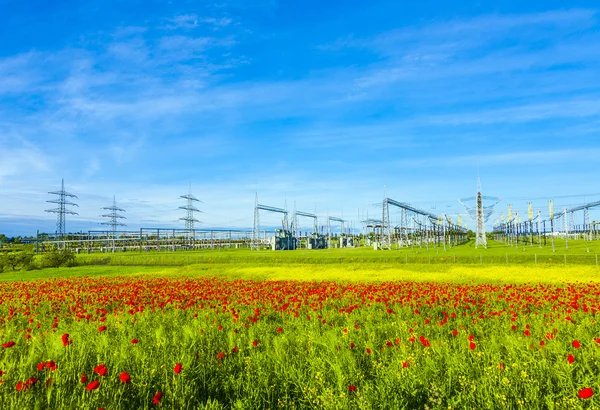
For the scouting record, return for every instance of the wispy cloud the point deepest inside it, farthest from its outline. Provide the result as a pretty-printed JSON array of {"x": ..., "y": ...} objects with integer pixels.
[
  {"x": 18, "y": 156},
  {"x": 136, "y": 110},
  {"x": 192, "y": 21}
]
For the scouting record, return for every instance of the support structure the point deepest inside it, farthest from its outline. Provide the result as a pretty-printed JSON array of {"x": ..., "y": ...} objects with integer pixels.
[
  {"x": 189, "y": 209},
  {"x": 333, "y": 219},
  {"x": 480, "y": 213},
  {"x": 62, "y": 210},
  {"x": 113, "y": 220},
  {"x": 285, "y": 237}
]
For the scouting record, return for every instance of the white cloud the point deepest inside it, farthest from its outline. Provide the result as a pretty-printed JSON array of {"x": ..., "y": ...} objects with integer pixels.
[{"x": 19, "y": 156}]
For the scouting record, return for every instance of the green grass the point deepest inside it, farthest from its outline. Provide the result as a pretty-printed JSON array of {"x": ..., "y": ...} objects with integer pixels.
[
  {"x": 297, "y": 345},
  {"x": 175, "y": 312},
  {"x": 579, "y": 252}
]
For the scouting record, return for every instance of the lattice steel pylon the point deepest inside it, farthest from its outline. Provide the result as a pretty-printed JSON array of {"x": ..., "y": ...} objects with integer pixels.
[
  {"x": 256, "y": 227},
  {"x": 480, "y": 213},
  {"x": 62, "y": 209},
  {"x": 190, "y": 209},
  {"x": 386, "y": 227},
  {"x": 113, "y": 219},
  {"x": 480, "y": 239},
  {"x": 294, "y": 227}
]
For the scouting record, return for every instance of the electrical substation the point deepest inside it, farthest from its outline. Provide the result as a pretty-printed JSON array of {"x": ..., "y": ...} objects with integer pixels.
[
  {"x": 413, "y": 227},
  {"x": 535, "y": 231}
]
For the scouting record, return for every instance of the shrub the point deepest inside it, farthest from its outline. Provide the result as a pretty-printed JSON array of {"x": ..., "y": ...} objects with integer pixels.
[{"x": 56, "y": 258}]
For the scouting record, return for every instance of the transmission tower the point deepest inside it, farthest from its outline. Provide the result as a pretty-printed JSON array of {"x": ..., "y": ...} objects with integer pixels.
[
  {"x": 190, "y": 209},
  {"x": 62, "y": 209},
  {"x": 386, "y": 226},
  {"x": 294, "y": 227},
  {"x": 256, "y": 227},
  {"x": 480, "y": 239},
  {"x": 480, "y": 213},
  {"x": 113, "y": 220}
]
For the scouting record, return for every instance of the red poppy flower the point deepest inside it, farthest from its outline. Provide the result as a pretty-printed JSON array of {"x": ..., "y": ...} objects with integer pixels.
[
  {"x": 100, "y": 369},
  {"x": 178, "y": 368},
  {"x": 570, "y": 358},
  {"x": 368, "y": 351},
  {"x": 471, "y": 337},
  {"x": 134, "y": 341},
  {"x": 101, "y": 328},
  {"x": 51, "y": 364},
  {"x": 235, "y": 349},
  {"x": 8, "y": 344},
  {"x": 352, "y": 345},
  {"x": 527, "y": 332},
  {"x": 83, "y": 378},
  {"x": 576, "y": 344},
  {"x": 255, "y": 343},
  {"x": 156, "y": 398},
  {"x": 31, "y": 381},
  {"x": 41, "y": 366},
  {"x": 65, "y": 340},
  {"x": 404, "y": 365},
  {"x": 472, "y": 345},
  {"x": 220, "y": 356},
  {"x": 21, "y": 386},
  {"x": 125, "y": 378},
  {"x": 586, "y": 393},
  {"x": 454, "y": 332},
  {"x": 279, "y": 330},
  {"x": 93, "y": 385},
  {"x": 352, "y": 388}
]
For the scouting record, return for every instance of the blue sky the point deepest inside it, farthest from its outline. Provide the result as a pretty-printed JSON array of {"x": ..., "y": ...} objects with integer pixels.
[{"x": 321, "y": 103}]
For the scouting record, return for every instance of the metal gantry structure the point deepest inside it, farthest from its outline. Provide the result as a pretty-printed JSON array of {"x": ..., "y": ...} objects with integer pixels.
[
  {"x": 113, "y": 220},
  {"x": 148, "y": 240},
  {"x": 331, "y": 219},
  {"x": 256, "y": 242},
  {"x": 515, "y": 231},
  {"x": 62, "y": 210},
  {"x": 305, "y": 215},
  {"x": 426, "y": 227}
]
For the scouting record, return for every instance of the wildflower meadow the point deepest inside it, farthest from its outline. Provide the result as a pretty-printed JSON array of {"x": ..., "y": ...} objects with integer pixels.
[{"x": 188, "y": 343}]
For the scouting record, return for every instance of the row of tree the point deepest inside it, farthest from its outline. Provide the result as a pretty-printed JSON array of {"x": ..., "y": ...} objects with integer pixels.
[{"x": 26, "y": 260}]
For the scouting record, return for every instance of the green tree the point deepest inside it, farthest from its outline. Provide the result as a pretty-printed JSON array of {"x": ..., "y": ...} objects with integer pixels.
[{"x": 55, "y": 258}]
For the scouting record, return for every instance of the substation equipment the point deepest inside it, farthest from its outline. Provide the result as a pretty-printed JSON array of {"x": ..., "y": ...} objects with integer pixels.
[
  {"x": 145, "y": 240},
  {"x": 290, "y": 237},
  {"x": 417, "y": 228},
  {"x": 515, "y": 231}
]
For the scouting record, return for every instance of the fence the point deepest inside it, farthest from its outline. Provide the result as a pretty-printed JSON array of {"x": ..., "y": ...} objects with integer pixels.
[{"x": 182, "y": 260}]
